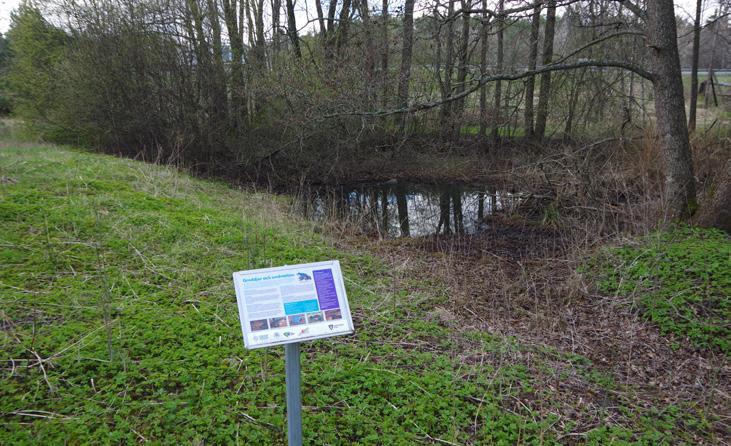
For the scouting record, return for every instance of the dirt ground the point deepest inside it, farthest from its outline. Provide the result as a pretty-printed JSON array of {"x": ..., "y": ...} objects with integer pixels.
[{"x": 522, "y": 283}]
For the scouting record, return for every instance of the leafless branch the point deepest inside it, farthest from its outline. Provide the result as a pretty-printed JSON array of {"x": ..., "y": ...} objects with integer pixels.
[{"x": 502, "y": 77}]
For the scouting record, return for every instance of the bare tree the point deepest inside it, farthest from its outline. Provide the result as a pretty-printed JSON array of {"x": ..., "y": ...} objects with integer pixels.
[
  {"x": 664, "y": 62},
  {"x": 446, "y": 80},
  {"x": 384, "y": 54},
  {"x": 292, "y": 29},
  {"x": 484, "y": 33},
  {"x": 463, "y": 60},
  {"x": 320, "y": 17},
  {"x": 694, "y": 68},
  {"x": 406, "y": 51},
  {"x": 276, "y": 9},
  {"x": 545, "y": 92},
  {"x": 530, "y": 82},
  {"x": 499, "y": 67}
]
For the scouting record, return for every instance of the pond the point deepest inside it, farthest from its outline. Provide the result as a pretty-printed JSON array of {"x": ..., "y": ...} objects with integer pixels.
[{"x": 406, "y": 209}]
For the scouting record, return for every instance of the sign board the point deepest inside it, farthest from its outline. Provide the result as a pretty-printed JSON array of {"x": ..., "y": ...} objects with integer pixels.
[{"x": 292, "y": 303}]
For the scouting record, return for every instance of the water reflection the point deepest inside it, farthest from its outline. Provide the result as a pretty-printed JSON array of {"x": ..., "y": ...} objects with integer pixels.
[{"x": 408, "y": 209}]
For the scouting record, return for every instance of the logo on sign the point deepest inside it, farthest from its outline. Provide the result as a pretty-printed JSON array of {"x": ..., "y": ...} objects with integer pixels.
[{"x": 287, "y": 333}]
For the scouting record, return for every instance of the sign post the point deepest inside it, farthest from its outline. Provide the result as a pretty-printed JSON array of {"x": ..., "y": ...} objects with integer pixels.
[
  {"x": 294, "y": 395},
  {"x": 286, "y": 306}
]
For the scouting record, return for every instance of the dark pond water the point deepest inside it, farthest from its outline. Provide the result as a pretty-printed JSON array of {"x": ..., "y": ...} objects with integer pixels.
[{"x": 397, "y": 209}]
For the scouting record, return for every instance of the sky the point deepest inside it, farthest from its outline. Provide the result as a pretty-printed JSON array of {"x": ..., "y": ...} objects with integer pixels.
[{"x": 683, "y": 7}]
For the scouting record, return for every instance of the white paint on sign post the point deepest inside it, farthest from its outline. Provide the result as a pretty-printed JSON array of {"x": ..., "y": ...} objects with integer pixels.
[{"x": 292, "y": 303}]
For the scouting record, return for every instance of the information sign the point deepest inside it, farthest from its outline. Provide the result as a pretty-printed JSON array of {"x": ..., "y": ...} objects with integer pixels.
[{"x": 292, "y": 303}]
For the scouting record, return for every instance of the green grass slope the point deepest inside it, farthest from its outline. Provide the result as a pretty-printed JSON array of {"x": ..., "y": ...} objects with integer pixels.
[{"x": 680, "y": 279}]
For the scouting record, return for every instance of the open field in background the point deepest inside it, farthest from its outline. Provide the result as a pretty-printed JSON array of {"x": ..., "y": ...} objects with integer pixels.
[{"x": 118, "y": 324}]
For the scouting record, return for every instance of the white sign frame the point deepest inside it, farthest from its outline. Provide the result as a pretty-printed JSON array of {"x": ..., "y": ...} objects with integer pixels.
[{"x": 306, "y": 329}]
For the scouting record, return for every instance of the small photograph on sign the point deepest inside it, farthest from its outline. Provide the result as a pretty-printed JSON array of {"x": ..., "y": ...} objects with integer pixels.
[
  {"x": 292, "y": 303},
  {"x": 314, "y": 317},
  {"x": 332, "y": 315},
  {"x": 277, "y": 322},
  {"x": 259, "y": 325},
  {"x": 297, "y": 319}
]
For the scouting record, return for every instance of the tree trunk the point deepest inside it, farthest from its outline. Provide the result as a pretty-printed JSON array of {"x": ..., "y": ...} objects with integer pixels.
[
  {"x": 463, "y": 62},
  {"x": 370, "y": 52},
  {"x": 573, "y": 100},
  {"x": 448, "y": 70},
  {"x": 664, "y": 61},
  {"x": 276, "y": 7},
  {"x": 320, "y": 18},
  {"x": 259, "y": 23},
  {"x": 405, "y": 71},
  {"x": 545, "y": 92},
  {"x": 344, "y": 25},
  {"x": 530, "y": 83},
  {"x": 694, "y": 69},
  {"x": 218, "y": 83},
  {"x": 237, "y": 84},
  {"x": 384, "y": 55},
  {"x": 483, "y": 69},
  {"x": 292, "y": 29},
  {"x": 331, "y": 9},
  {"x": 499, "y": 67},
  {"x": 329, "y": 35}
]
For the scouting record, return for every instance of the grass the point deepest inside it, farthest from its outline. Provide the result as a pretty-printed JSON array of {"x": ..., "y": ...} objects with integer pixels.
[
  {"x": 118, "y": 324},
  {"x": 681, "y": 280}
]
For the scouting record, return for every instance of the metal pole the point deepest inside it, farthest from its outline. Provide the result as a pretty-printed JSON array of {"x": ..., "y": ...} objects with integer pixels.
[{"x": 294, "y": 397}]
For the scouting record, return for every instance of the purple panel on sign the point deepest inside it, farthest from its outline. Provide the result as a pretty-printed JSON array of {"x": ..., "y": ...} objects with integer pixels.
[{"x": 327, "y": 294}]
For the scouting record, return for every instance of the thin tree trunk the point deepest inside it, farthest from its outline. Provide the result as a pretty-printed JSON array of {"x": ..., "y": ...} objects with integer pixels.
[
  {"x": 463, "y": 62},
  {"x": 292, "y": 29},
  {"x": 545, "y": 92},
  {"x": 330, "y": 33},
  {"x": 680, "y": 193},
  {"x": 344, "y": 25},
  {"x": 249, "y": 24},
  {"x": 384, "y": 55},
  {"x": 405, "y": 71},
  {"x": 694, "y": 69},
  {"x": 259, "y": 22},
  {"x": 238, "y": 97},
  {"x": 332, "y": 8},
  {"x": 448, "y": 69},
  {"x": 531, "y": 81},
  {"x": 483, "y": 69},
  {"x": 218, "y": 84},
  {"x": 499, "y": 67},
  {"x": 320, "y": 18},
  {"x": 573, "y": 101},
  {"x": 370, "y": 52}
]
